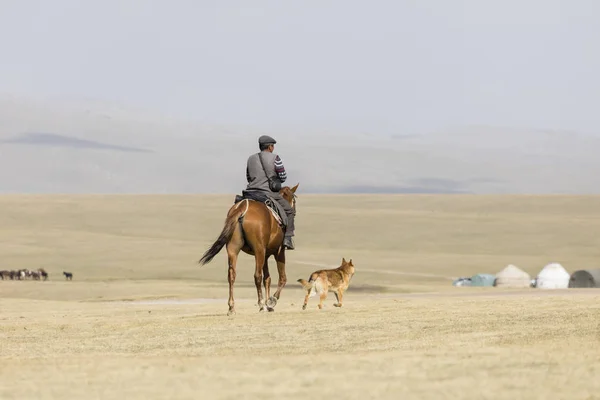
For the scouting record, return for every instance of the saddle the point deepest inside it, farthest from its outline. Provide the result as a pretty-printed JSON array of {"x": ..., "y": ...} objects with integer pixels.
[{"x": 272, "y": 204}]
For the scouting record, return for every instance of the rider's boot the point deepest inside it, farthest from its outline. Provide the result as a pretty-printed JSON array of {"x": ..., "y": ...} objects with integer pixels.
[{"x": 288, "y": 242}]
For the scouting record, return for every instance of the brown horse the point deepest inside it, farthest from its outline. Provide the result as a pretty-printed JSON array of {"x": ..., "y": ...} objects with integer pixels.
[{"x": 252, "y": 228}]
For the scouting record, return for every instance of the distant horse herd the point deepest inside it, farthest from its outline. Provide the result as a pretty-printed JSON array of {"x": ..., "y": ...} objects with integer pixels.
[{"x": 26, "y": 274}]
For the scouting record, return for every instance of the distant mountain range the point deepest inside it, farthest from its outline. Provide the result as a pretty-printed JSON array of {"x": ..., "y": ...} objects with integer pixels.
[{"x": 96, "y": 148}]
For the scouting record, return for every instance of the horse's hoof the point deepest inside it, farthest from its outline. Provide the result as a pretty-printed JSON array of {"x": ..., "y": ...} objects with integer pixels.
[
  {"x": 337, "y": 305},
  {"x": 272, "y": 302},
  {"x": 304, "y": 307},
  {"x": 270, "y": 309},
  {"x": 230, "y": 313}
]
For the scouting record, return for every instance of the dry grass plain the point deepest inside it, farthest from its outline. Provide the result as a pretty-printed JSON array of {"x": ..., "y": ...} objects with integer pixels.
[{"x": 142, "y": 320}]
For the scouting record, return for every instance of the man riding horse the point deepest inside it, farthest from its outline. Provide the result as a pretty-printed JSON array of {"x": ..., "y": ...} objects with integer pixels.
[
  {"x": 265, "y": 173},
  {"x": 252, "y": 228}
]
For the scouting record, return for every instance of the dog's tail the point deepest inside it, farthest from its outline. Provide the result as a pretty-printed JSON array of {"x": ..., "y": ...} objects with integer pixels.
[{"x": 309, "y": 285}]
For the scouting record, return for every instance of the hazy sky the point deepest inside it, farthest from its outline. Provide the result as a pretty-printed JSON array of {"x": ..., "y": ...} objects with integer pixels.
[{"x": 381, "y": 66}]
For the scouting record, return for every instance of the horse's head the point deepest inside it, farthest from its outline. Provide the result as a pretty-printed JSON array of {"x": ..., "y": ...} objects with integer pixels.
[{"x": 289, "y": 194}]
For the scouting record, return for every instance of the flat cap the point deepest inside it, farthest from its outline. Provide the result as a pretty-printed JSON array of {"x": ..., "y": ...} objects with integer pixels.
[{"x": 264, "y": 139}]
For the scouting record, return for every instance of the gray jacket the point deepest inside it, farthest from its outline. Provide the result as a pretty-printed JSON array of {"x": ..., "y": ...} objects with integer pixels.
[{"x": 257, "y": 180}]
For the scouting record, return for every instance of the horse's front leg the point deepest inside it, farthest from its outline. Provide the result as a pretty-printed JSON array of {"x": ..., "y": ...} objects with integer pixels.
[
  {"x": 267, "y": 283},
  {"x": 280, "y": 258}
]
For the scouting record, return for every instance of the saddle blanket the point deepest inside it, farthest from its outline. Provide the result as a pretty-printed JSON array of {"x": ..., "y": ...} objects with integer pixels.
[{"x": 272, "y": 204}]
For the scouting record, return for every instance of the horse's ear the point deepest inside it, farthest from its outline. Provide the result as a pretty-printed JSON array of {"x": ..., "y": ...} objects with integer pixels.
[
  {"x": 344, "y": 260},
  {"x": 350, "y": 262},
  {"x": 295, "y": 187}
]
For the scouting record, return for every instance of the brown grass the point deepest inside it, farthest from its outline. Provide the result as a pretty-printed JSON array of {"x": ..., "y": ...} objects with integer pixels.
[{"x": 141, "y": 320}]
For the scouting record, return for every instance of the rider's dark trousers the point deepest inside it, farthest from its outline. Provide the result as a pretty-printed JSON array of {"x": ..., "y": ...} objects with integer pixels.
[{"x": 289, "y": 211}]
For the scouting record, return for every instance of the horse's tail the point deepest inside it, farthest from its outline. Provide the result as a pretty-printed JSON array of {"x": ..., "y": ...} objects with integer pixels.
[{"x": 231, "y": 222}]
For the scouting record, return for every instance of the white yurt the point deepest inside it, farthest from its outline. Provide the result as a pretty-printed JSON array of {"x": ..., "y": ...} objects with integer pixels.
[
  {"x": 553, "y": 276},
  {"x": 512, "y": 277}
]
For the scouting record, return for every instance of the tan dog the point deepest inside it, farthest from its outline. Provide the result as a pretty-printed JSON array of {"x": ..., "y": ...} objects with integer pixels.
[{"x": 334, "y": 280}]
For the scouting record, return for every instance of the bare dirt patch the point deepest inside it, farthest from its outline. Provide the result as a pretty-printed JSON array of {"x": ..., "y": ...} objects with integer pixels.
[{"x": 142, "y": 320}]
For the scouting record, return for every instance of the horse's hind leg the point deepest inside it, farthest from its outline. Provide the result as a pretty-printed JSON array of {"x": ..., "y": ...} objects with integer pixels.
[
  {"x": 259, "y": 256},
  {"x": 232, "y": 256}
]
